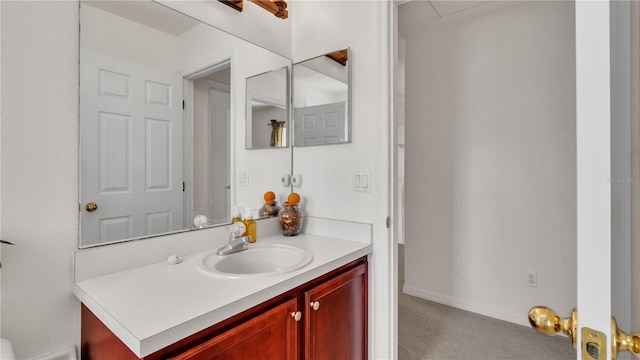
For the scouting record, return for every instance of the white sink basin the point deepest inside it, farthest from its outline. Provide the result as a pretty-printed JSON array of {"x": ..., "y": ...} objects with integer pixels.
[{"x": 259, "y": 260}]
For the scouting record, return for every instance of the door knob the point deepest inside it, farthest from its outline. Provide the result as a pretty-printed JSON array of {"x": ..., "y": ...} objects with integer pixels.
[
  {"x": 623, "y": 341},
  {"x": 91, "y": 207},
  {"x": 547, "y": 322},
  {"x": 315, "y": 305}
]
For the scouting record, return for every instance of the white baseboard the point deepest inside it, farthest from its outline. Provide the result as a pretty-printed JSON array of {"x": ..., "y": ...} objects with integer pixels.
[
  {"x": 66, "y": 353},
  {"x": 520, "y": 319}
]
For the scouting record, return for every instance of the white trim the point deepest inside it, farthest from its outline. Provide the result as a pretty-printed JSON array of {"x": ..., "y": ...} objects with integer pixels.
[
  {"x": 382, "y": 329},
  {"x": 593, "y": 150},
  {"x": 395, "y": 205},
  {"x": 189, "y": 76},
  {"x": 209, "y": 67},
  {"x": 188, "y": 178}
]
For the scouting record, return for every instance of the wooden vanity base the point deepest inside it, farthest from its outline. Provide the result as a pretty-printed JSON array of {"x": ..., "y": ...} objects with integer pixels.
[{"x": 335, "y": 328}]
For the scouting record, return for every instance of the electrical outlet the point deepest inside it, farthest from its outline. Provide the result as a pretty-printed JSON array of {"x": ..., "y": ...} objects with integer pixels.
[{"x": 532, "y": 279}]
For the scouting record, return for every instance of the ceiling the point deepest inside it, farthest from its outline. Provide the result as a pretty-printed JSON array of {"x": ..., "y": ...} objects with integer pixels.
[
  {"x": 147, "y": 13},
  {"x": 417, "y": 16}
]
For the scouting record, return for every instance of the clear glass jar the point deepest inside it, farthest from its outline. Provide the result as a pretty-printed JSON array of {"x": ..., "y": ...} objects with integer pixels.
[
  {"x": 291, "y": 218},
  {"x": 269, "y": 209}
]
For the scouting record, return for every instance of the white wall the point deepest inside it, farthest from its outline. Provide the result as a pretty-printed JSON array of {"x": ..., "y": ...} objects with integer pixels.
[
  {"x": 39, "y": 174},
  {"x": 490, "y": 161},
  {"x": 327, "y": 171},
  {"x": 320, "y": 27}
]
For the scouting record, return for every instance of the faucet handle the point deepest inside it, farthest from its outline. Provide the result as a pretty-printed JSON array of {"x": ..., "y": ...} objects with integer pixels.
[{"x": 237, "y": 229}]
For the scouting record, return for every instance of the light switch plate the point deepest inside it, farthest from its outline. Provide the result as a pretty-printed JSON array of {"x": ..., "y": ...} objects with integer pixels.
[
  {"x": 361, "y": 180},
  {"x": 243, "y": 178}
]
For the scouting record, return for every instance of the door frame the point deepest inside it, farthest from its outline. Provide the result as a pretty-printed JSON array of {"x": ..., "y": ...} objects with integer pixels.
[
  {"x": 216, "y": 86},
  {"x": 189, "y": 77}
]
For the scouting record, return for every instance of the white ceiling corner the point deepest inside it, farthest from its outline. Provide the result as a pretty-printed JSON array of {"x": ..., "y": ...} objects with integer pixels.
[
  {"x": 419, "y": 16},
  {"x": 449, "y": 7}
]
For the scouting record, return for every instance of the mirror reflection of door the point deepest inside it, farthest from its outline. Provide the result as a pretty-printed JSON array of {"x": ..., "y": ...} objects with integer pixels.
[
  {"x": 321, "y": 100},
  {"x": 131, "y": 147},
  {"x": 211, "y": 133}
]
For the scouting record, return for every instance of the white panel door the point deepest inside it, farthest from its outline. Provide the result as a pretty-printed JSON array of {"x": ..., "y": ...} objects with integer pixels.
[
  {"x": 131, "y": 149},
  {"x": 320, "y": 124}
]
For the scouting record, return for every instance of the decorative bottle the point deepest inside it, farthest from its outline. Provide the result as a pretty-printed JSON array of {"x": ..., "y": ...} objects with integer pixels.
[
  {"x": 235, "y": 214},
  {"x": 247, "y": 219},
  {"x": 270, "y": 207},
  {"x": 291, "y": 217}
]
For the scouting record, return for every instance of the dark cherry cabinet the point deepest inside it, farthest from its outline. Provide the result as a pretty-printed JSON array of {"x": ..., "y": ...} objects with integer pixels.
[
  {"x": 336, "y": 317},
  {"x": 272, "y": 335},
  {"x": 325, "y": 318}
]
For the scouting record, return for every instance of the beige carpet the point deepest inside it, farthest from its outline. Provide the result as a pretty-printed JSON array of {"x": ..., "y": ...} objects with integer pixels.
[{"x": 428, "y": 330}]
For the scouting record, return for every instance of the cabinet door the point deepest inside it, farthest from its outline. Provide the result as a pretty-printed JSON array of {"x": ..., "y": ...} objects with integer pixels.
[
  {"x": 336, "y": 321},
  {"x": 271, "y": 335}
]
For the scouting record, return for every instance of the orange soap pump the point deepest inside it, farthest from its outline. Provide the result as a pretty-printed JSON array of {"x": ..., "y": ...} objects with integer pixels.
[{"x": 247, "y": 218}]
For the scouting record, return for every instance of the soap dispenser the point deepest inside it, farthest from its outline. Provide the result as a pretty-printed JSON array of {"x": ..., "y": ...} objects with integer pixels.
[
  {"x": 247, "y": 218},
  {"x": 235, "y": 214}
]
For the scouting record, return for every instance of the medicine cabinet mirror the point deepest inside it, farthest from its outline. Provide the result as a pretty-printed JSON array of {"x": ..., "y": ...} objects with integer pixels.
[
  {"x": 321, "y": 100},
  {"x": 268, "y": 110},
  {"x": 162, "y": 123}
]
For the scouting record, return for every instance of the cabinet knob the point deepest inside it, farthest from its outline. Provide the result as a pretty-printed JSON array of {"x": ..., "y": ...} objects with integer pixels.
[
  {"x": 315, "y": 305},
  {"x": 296, "y": 315}
]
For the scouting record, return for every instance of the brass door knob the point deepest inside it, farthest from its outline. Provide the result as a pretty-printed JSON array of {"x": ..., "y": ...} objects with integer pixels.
[
  {"x": 623, "y": 341},
  {"x": 547, "y": 322},
  {"x": 91, "y": 207}
]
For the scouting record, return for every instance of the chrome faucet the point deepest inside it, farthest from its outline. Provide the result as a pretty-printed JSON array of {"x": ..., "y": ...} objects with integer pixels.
[{"x": 237, "y": 242}]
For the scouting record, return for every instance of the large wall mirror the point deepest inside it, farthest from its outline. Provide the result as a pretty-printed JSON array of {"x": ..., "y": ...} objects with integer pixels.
[
  {"x": 162, "y": 123},
  {"x": 321, "y": 100}
]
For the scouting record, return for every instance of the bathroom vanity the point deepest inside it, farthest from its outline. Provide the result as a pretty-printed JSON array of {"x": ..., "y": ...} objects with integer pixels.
[{"x": 162, "y": 311}]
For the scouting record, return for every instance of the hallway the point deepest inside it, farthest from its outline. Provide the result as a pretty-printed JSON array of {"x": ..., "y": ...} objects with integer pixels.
[{"x": 428, "y": 330}]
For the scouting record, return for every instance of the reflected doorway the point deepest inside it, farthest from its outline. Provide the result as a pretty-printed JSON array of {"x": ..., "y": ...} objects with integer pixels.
[{"x": 208, "y": 113}]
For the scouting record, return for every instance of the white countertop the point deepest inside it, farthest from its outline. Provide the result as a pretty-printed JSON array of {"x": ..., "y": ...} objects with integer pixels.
[{"x": 153, "y": 306}]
